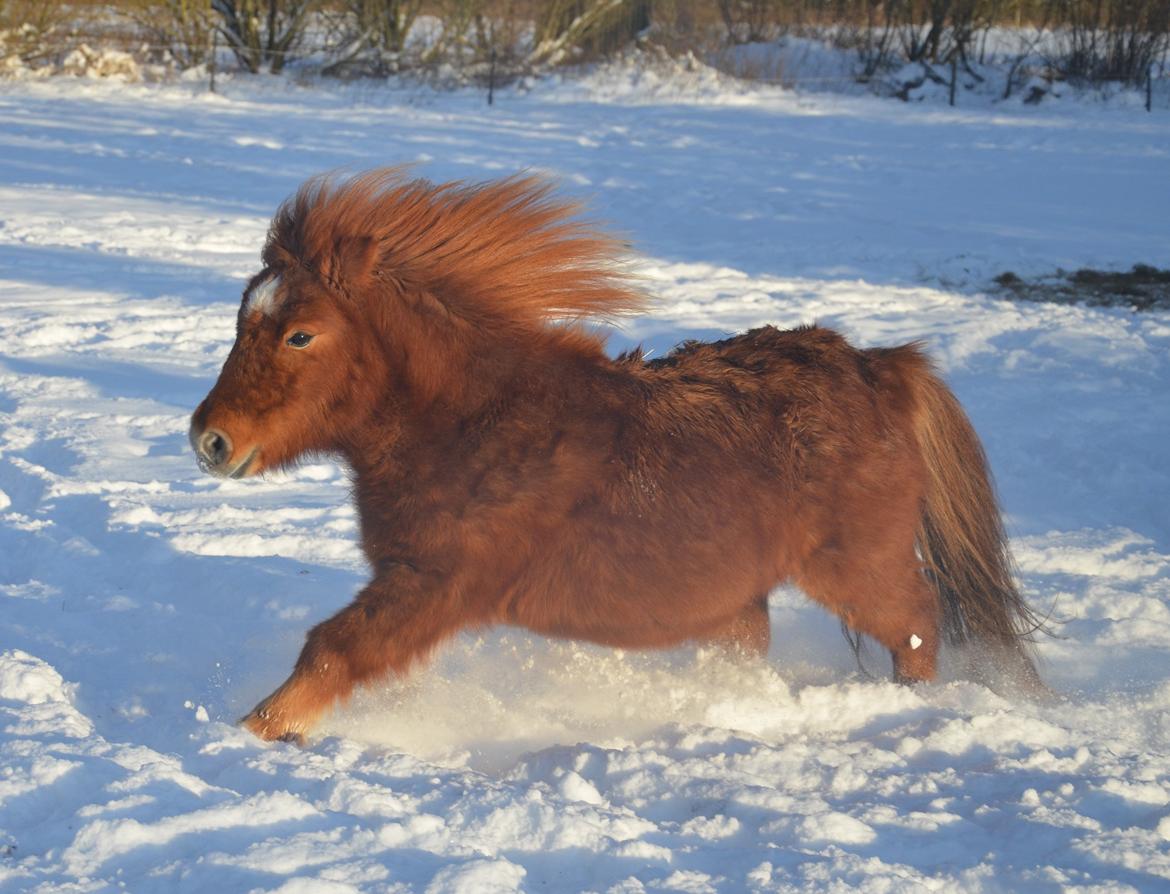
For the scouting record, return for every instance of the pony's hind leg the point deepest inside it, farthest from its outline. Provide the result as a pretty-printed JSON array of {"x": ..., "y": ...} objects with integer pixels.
[
  {"x": 912, "y": 629},
  {"x": 893, "y": 605},
  {"x": 749, "y": 632}
]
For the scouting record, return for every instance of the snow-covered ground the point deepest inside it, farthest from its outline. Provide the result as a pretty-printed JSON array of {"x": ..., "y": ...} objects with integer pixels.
[{"x": 144, "y": 607}]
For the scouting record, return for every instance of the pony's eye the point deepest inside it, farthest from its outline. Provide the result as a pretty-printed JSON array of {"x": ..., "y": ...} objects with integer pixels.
[{"x": 299, "y": 340}]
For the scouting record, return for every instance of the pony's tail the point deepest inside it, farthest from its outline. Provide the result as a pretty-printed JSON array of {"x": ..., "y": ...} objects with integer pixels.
[{"x": 962, "y": 542}]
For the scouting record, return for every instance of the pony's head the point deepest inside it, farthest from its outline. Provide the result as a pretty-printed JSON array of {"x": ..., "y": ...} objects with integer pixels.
[
  {"x": 288, "y": 385},
  {"x": 380, "y": 294}
]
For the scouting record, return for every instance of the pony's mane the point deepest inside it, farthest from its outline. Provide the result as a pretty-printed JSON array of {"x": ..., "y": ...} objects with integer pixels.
[{"x": 504, "y": 250}]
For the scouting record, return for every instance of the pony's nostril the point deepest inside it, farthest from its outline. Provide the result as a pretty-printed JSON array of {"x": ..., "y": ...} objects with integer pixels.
[{"x": 215, "y": 447}]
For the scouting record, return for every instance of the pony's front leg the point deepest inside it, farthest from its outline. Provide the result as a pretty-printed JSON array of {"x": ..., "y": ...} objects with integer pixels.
[{"x": 395, "y": 620}]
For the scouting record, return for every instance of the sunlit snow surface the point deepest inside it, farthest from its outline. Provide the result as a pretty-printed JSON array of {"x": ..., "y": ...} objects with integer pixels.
[{"x": 144, "y": 607}]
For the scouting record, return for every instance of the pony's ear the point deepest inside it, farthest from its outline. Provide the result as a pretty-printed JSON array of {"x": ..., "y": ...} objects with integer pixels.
[{"x": 352, "y": 261}]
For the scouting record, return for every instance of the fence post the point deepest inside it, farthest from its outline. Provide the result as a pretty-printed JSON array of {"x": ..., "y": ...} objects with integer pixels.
[
  {"x": 1150, "y": 87},
  {"x": 954, "y": 74},
  {"x": 214, "y": 53},
  {"x": 492, "y": 77}
]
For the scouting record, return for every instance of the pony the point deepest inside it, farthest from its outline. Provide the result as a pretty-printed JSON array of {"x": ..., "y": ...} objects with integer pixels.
[{"x": 506, "y": 470}]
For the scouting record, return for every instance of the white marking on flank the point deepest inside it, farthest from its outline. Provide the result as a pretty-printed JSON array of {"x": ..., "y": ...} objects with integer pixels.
[
  {"x": 915, "y": 641},
  {"x": 262, "y": 297}
]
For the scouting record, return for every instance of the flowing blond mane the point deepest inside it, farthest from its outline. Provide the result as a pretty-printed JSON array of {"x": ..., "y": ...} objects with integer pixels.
[{"x": 502, "y": 251}]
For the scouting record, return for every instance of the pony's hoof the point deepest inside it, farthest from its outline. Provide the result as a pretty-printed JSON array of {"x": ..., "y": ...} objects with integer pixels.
[
  {"x": 908, "y": 681},
  {"x": 265, "y": 727}
]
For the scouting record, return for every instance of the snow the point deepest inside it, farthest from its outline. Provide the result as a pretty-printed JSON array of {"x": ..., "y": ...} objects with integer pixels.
[{"x": 145, "y": 607}]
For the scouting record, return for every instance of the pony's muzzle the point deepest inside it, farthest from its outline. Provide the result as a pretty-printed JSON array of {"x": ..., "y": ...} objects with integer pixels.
[{"x": 212, "y": 449}]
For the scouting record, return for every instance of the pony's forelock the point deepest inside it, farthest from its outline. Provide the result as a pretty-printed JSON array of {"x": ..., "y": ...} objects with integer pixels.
[
  {"x": 261, "y": 297},
  {"x": 501, "y": 251}
]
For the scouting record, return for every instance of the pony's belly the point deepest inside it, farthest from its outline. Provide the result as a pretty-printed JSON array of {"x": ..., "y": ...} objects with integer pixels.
[
  {"x": 651, "y": 580},
  {"x": 626, "y": 633},
  {"x": 649, "y": 618}
]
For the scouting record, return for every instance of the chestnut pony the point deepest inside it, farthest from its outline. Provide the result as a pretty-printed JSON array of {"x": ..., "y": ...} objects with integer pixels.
[{"x": 508, "y": 471}]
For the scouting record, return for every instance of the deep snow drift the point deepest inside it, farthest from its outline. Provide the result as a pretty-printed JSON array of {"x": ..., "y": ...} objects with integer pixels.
[{"x": 143, "y": 607}]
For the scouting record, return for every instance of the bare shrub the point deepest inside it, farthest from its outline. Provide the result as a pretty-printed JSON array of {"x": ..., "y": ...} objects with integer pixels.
[
  {"x": 749, "y": 21},
  {"x": 468, "y": 28},
  {"x": 590, "y": 27},
  {"x": 1110, "y": 40},
  {"x": 1027, "y": 49},
  {"x": 368, "y": 36},
  {"x": 180, "y": 30},
  {"x": 386, "y": 22},
  {"x": 1082, "y": 40},
  {"x": 477, "y": 31},
  {"x": 874, "y": 36},
  {"x": 461, "y": 34},
  {"x": 32, "y": 31},
  {"x": 263, "y": 33},
  {"x": 925, "y": 31},
  {"x": 472, "y": 32}
]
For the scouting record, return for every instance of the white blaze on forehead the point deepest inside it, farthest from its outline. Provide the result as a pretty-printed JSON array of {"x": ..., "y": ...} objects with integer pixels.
[
  {"x": 262, "y": 298},
  {"x": 915, "y": 641}
]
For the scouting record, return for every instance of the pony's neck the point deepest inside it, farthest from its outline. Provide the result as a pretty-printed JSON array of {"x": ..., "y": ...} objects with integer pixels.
[
  {"x": 446, "y": 383},
  {"x": 499, "y": 367}
]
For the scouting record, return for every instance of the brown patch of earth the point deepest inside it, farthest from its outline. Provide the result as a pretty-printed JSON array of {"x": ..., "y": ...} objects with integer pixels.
[{"x": 1142, "y": 288}]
